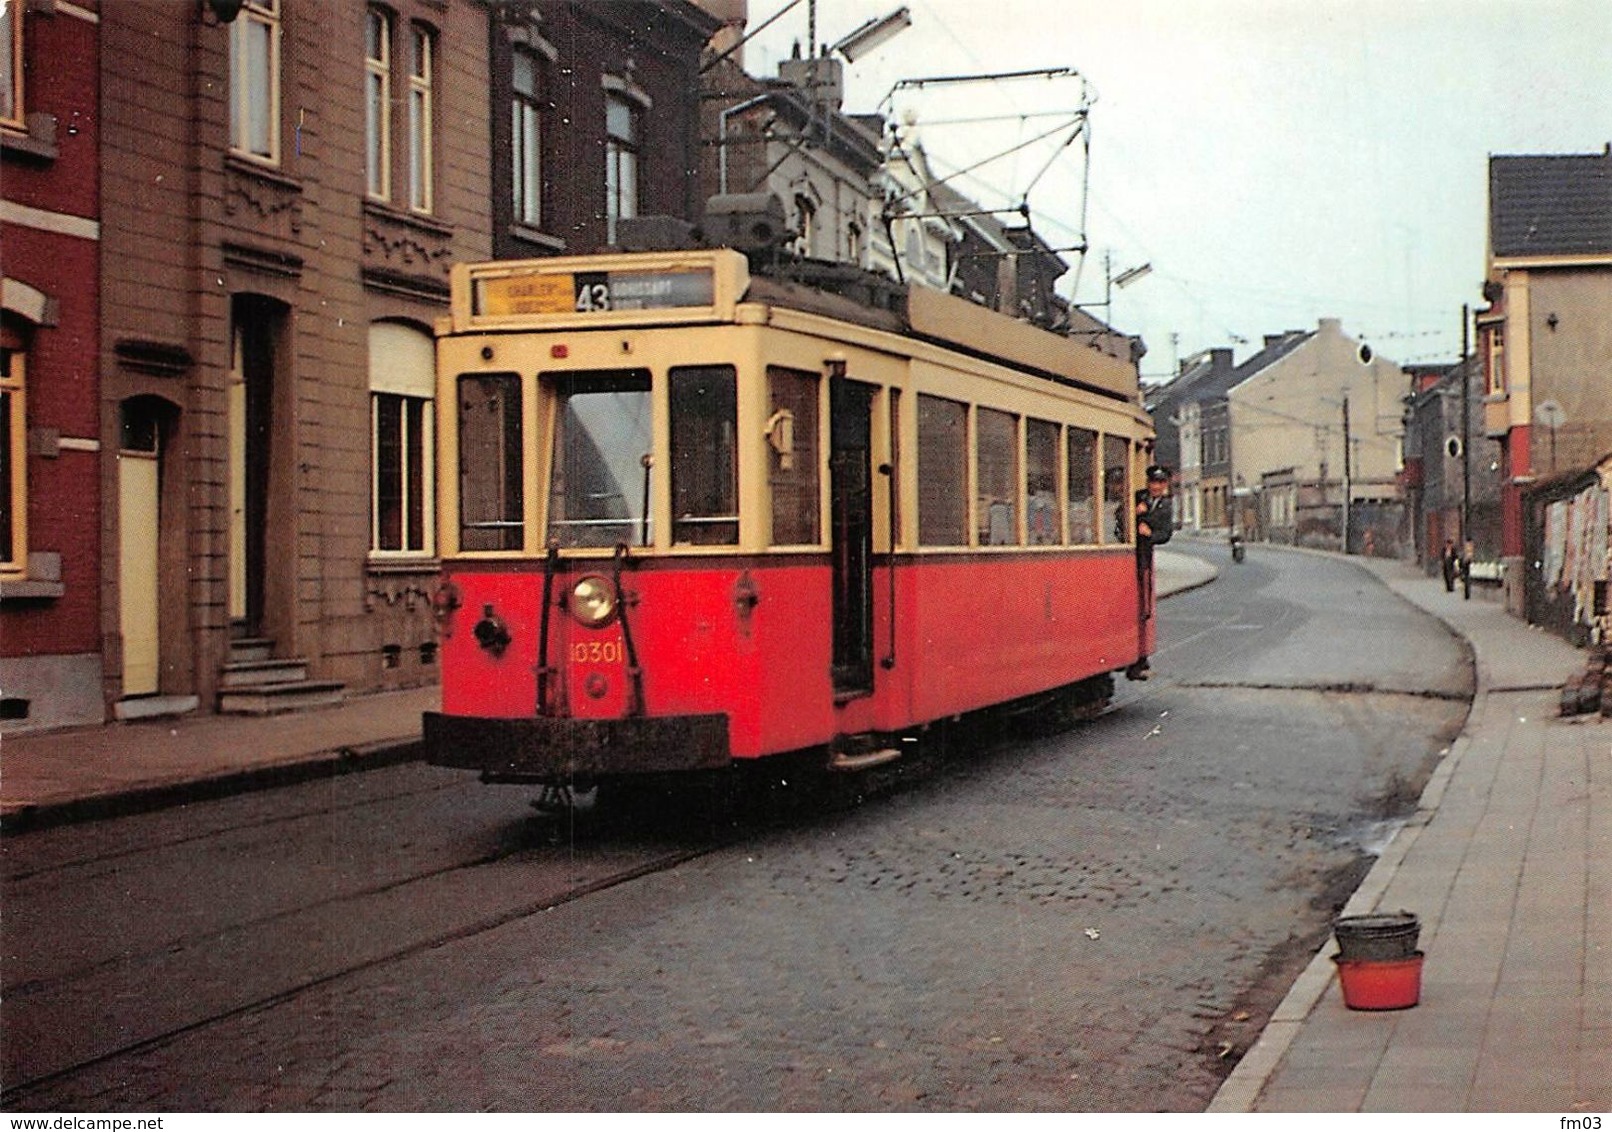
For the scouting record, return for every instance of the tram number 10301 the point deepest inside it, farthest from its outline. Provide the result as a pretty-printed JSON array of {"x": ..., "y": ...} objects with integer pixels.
[{"x": 597, "y": 652}]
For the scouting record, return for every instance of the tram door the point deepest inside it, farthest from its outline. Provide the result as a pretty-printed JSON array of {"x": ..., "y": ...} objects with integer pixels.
[{"x": 851, "y": 492}]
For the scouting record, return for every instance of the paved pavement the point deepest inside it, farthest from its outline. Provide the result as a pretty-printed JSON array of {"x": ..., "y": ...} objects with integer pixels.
[{"x": 1507, "y": 864}]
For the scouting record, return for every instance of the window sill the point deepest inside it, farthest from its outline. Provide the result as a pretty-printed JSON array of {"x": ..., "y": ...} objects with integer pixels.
[
  {"x": 533, "y": 236},
  {"x": 35, "y": 137},
  {"x": 419, "y": 220},
  {"x": 262, "y": 169},
  {"x": 401, "y": 565},
  {"x": 28, "y": 589}
]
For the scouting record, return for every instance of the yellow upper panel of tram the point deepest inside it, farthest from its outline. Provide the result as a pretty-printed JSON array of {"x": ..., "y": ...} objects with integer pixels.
[
  {"x": 601, "y": 290},
  {"x": 707, "y": 285}
]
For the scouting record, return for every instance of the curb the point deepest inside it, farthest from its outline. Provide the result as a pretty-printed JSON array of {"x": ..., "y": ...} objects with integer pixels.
[
  {"x": 1240, "y": 1091},
  {"x": 351, "y": 759}
]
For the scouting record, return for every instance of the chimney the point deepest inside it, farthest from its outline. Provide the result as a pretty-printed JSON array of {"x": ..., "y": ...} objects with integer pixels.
[{"x": 821, "y": 80}]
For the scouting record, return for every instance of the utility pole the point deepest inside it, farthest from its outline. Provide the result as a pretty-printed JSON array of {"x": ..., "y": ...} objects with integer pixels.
[
  {"x": 1466, "y": 434},
  {"x": 1346, "y": 474}
]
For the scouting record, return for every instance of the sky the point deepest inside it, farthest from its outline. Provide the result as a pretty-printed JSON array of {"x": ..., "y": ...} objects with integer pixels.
[{"x": 1275, "y": 161}]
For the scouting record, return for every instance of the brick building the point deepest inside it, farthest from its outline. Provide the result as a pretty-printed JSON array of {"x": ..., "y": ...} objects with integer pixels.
[
  {"x": 1545, "y": 339},
  {"x": 51, "y": 442}
]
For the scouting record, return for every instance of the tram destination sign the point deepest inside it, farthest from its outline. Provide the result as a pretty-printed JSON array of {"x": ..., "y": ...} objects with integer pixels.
[{"x": 592, "y": 292}]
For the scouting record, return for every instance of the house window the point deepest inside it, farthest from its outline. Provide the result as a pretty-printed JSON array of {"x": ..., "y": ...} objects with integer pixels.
[
  {"x": 254, "y": 79},
  {"x": 420, "y": 132},
  {"x": 526, "y": 137},
  {"x": 1497, "y": 360},
  {"x": 13, "y": 465},
  {"x": 806, "y": 222},
  {"x": 402, "y": 380},
  {"x": 11, "y": 62},
  {"x": 623, "y": 131},
  {"x": 378, "y": 104}
]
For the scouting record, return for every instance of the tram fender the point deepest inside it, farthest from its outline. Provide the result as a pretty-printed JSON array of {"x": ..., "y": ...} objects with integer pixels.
[{"x": 543, "y": 747}]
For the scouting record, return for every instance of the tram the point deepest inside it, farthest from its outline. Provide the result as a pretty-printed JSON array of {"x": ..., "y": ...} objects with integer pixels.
[{"x": 694, "y": 517}]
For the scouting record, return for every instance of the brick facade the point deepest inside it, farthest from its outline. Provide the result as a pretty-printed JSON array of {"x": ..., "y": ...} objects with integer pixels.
[
  {"x": 50, "y": 195},
  {"x": 290, "y": 258}
]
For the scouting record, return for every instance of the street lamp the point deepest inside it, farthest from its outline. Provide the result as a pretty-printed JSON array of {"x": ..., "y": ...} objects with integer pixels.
[{"x": 873, "y": 33}]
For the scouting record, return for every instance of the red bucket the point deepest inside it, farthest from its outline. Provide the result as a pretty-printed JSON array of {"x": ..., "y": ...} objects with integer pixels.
[{"x": 1380, "y": 984}]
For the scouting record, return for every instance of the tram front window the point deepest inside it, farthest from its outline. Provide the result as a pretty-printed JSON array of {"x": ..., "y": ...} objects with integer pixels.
[
  {"x": 705, "y": 462},
  {"x": 599, "y": 489}
]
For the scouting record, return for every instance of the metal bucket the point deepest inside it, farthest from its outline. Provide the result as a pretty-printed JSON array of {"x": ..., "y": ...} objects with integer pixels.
[{"x": 1384, "y": 937}]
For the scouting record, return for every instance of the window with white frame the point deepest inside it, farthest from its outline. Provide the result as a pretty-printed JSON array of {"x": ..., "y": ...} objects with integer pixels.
[
  {"x": 402, "y": 385},
  {"x": 11, "y": 112},
  {"x": 421, "y": 63},
  {"x": 805, "y": 223},
  {"x": 623, "y": 126},
  {"x": 13, "y": 464},
  {"x": 378, "y": 104},
  {"x": 526, "y": 137},
  {"x": 254, "y": 79}
]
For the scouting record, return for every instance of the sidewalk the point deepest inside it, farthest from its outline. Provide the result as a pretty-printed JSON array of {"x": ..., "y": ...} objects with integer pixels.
[
  {"x": 1508, "y": 865},
  {"x": 85, "y": 773}
]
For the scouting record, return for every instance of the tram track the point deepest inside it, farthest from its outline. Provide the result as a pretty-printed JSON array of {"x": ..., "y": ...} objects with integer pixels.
[
  {"x": 191, "y": 836},
  {"x": 36, "y": 1062}
]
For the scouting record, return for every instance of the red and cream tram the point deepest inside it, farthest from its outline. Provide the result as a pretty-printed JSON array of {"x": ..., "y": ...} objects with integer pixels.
[{"x": 692, "y": 516}]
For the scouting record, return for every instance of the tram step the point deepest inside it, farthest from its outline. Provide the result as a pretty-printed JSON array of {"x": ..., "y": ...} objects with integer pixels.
[
  {"x": 865, "y": 761},
  {"x": 272, "y": 699}
]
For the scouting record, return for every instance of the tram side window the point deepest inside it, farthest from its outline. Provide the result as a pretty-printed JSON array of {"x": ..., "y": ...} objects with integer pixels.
[
  {"x": 599, "y": 486},
  {"x": 792, "y": 456},
  {"x": 1041, "y": 482},
  {"x": 1116, "y": 482},
  {"x": 705, "y": 465},
  {"x": 942, "y": 472},
  {"x": 491, "y": 498},
  {"x": 1082, "y": 486},
  {"x": 998, "y": 513}
]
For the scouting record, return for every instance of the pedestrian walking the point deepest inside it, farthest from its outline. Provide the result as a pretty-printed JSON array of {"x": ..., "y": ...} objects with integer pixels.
[{"x": 1452, "y": 565}]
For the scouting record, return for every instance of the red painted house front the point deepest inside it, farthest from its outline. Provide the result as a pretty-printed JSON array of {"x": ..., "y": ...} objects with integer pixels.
[{"x": 50, "y": 535}]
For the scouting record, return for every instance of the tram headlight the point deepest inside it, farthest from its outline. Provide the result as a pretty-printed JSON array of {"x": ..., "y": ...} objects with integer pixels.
[{"x": 593, "y": 601}]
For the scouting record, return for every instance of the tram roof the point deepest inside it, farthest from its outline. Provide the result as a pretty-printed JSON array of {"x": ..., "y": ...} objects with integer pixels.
[{"x": 707, "y": 285}]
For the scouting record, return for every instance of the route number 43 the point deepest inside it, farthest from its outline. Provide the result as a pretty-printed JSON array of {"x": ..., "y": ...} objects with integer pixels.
[{"x": 593, "y": 293}]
